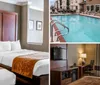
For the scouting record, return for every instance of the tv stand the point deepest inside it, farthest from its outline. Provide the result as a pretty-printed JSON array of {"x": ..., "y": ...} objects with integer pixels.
[{"x": 63, "y": 75}]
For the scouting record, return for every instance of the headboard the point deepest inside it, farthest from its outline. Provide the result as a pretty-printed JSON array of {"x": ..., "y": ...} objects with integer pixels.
[{"x": 8, "y": 26}]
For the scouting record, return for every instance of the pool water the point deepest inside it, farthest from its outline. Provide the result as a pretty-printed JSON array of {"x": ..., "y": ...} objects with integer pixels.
[{"x": 81, "y": 28}]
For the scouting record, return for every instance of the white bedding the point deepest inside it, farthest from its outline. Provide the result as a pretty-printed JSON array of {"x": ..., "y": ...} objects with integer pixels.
[
  {"x": 7, "y": 78},
  {"x": 40, "y": 68}
]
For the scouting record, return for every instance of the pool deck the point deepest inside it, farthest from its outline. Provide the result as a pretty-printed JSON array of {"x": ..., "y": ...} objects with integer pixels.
[
  {"x": 60, "y": 14},
  {"x": 90, "y": 15},
  {"x": 94, "y": 16}
]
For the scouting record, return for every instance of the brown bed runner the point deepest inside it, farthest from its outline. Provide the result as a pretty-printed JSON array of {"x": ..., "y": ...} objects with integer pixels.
[
  {"x": 24, "y": 65},
  {"x": 87, "y": 80}
]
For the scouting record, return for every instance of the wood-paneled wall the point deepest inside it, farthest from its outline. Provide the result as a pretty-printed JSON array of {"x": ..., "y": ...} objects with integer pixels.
[{"x": 8, "y": 26}]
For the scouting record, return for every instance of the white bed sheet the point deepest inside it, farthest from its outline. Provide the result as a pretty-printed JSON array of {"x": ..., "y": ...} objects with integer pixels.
[
  {"x": 7, "y": 78},
  {"x": 40, "y": 68}
]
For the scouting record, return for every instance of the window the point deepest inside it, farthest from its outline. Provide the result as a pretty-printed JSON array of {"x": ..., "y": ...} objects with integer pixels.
[
  {"x": 92, "y": 8},
  {"x": 88, "y": 8},
  {"x": 76, "y": 7},
  {"x": 97, "y": 8}
]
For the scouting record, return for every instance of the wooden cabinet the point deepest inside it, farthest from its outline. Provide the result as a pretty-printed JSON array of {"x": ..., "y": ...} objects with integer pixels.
[
  {"x": 81, "y": 71},
  {"x": 63, "y": 75},
  {"x": 8, "y": 26}
]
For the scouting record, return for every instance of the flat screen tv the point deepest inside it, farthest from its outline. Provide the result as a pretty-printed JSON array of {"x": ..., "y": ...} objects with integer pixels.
[{"x": 56, "y": 53}]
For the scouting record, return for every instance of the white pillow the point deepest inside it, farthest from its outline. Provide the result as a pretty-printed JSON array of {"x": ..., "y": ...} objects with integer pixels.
[
  {"x": 15, "y": 45},
  {"x": 5, "y": 46}
]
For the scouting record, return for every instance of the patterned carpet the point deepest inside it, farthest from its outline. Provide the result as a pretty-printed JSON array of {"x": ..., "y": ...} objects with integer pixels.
[{"x": 87, "y": 80}]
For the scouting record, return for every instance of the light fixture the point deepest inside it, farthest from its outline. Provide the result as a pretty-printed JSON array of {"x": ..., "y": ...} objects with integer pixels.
[{"x": 83, "y": 56}]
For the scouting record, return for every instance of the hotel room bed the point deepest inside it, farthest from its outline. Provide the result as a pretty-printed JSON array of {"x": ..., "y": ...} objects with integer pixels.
[
  {"x": 9, "y": 43},
  {"x": 40, "y": 68},
  {"x": 8, "y": 78},
  {"x": 10, "y": 51},
  {"x": 87, "y": 80}
]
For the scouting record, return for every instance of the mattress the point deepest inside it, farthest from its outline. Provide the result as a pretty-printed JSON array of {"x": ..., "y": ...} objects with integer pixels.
[
  {"x": 87, "y": 80},
  {"x": 40, "y": 68},
  {"x": 7, "y": 78}
]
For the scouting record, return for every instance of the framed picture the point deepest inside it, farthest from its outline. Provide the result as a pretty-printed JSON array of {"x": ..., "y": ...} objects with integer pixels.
[
  {"x": 39, "y": 25},
  {"x": 31, "y": 24}
]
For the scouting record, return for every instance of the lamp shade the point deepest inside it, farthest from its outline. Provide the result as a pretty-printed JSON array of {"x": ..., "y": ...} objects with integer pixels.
[{"x": 83, "y": 55}]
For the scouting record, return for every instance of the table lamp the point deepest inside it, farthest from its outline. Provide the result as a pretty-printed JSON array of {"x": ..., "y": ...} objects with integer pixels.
[{"x": 83, "y": 56}]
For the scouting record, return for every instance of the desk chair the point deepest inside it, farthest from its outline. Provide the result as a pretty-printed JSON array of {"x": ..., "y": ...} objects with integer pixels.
[{"x": 89, "y": 68}]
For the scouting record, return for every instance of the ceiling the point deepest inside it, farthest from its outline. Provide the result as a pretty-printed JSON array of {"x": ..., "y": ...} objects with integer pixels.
[
  {"x": 39, "y": 4},
  {"x": 13, "y": 1}
]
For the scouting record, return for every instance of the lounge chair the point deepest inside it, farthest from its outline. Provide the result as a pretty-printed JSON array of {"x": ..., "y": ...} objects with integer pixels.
[
  {"x": 98, "y": 12},
  {"x": 85, "y": 12},
  {"x": 89, "y": 12},
  {"x": 93, "y": 11}
]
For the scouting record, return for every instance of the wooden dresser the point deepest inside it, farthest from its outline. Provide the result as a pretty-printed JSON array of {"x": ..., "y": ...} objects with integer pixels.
[{"x": 63, "y": 75}]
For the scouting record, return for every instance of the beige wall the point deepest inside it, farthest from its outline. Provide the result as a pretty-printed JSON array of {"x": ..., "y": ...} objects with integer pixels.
[
  {"x": 93, "y": 2},
  {"x": 90, "y": 50},
  {"x": 45, "y": 45},
  {"x": 73, "y": 53}
]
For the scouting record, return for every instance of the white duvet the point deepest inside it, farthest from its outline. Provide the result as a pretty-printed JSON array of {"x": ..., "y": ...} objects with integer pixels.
[
  {"x": 7, "y": 78},
  {"x": 40, "y": 68}
]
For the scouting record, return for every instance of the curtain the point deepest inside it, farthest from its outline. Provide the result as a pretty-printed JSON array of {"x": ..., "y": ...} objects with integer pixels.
[{"x": 98, "y": 60}]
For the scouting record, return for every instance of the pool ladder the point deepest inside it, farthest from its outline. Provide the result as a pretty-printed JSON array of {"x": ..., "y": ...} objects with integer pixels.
[{"x": 52, "y": 23}]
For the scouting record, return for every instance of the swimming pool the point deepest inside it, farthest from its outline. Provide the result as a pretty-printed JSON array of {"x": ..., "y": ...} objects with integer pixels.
[{"x": 81, "y": 28}]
